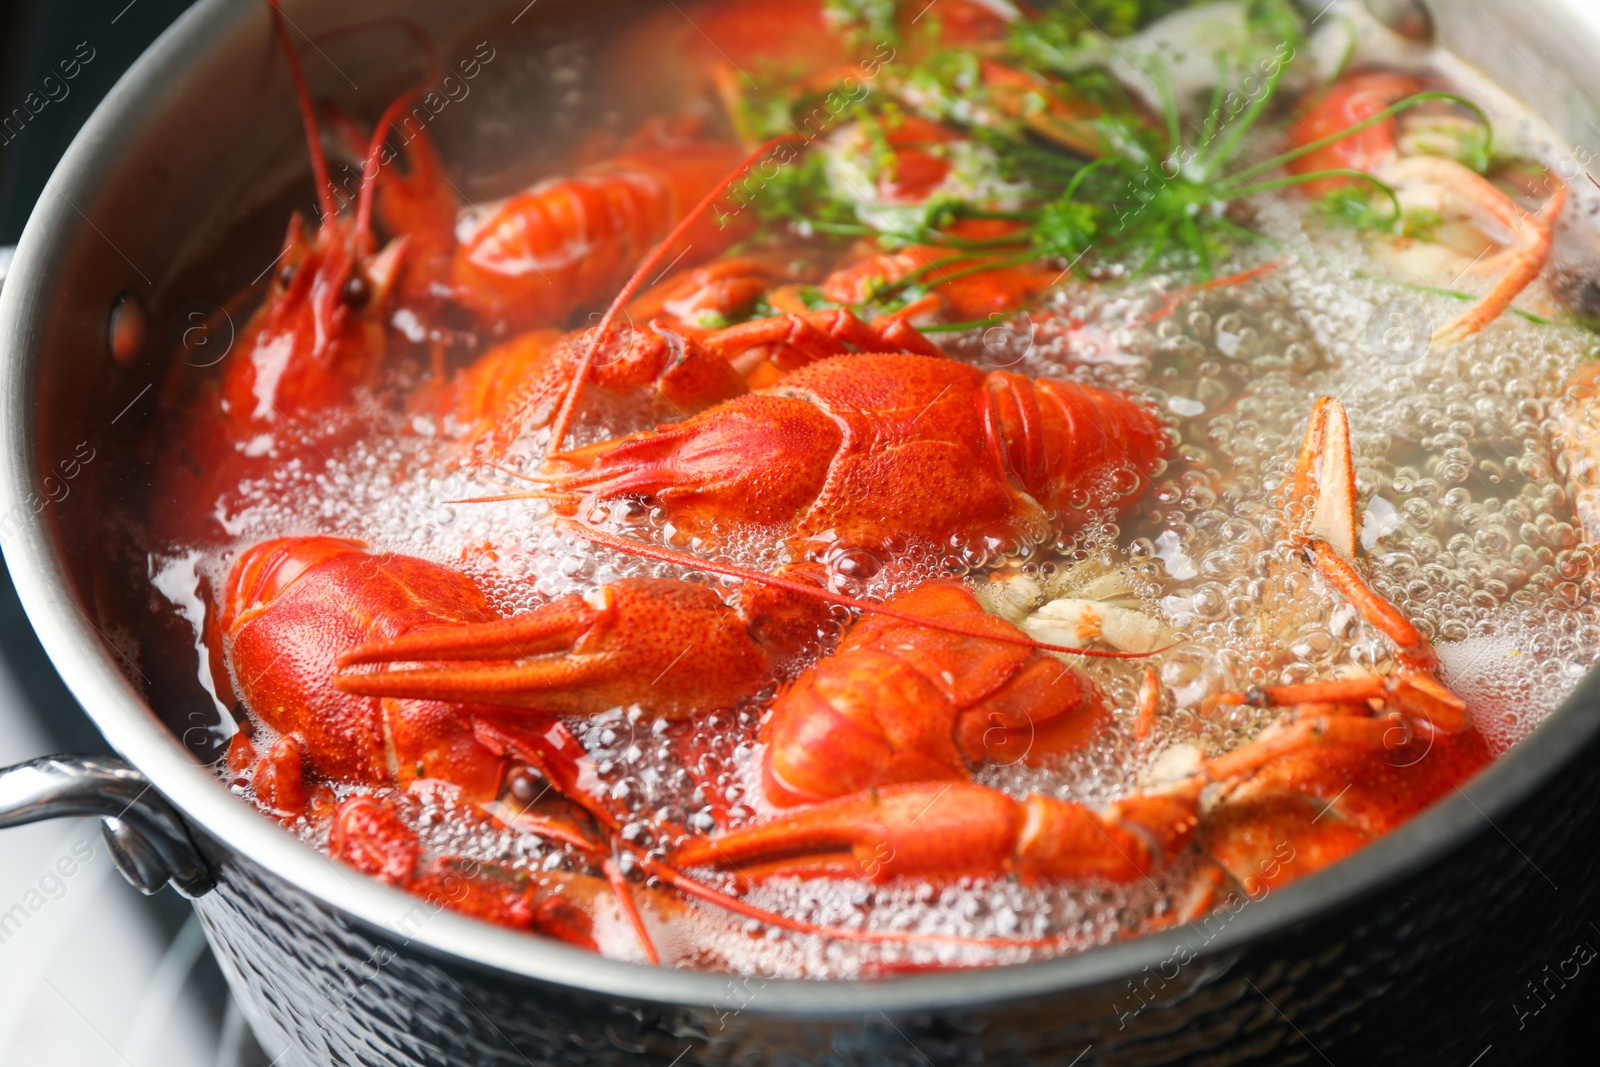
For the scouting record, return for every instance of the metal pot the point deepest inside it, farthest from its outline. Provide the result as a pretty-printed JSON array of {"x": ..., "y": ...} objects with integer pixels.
[{"x": 1424, "y": 947}]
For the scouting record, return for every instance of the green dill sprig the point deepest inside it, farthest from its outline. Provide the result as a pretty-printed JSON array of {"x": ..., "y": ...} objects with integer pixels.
[
  {"x": 1178, "y": 207},
  {"x": 1054, "y": 40},
  {"x": 1157, "y": 196},
  {"x": 863, "y": 20}
]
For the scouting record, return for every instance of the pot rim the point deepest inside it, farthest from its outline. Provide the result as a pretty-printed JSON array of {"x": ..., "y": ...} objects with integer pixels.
[{"x": 121, "y": 713}]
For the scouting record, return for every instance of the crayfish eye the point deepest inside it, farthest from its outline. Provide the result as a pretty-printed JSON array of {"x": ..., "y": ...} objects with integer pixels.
[
  {"x": 286, "y": 275},
  {"x": 356, "y": 291},
  {"x": 525, "y": 784}
]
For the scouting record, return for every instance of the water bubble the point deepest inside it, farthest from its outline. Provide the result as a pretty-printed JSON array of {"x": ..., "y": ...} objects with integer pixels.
[
  {"x": 1467, "y": 523},
  {"x": 1398, "y": 332}
]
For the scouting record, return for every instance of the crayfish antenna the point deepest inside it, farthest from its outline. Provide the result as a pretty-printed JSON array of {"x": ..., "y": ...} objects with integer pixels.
[
  {"x": 308, "y": 113},
  {"x": 537, "y": 479},
  {"x": 499, "y": 498},
  {"x": 374, "y": 148},
  {"x": 666, "y": 555},
  {"x": 683, "y": 883},
  {"x": 380, "y": 134},
  {"x": 1173, "y": 301},
  {"x": 602, "y": 334},
  {"x": 623, "y": 891}
]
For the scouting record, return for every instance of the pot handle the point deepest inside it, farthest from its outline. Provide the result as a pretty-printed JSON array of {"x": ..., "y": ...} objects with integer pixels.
[{"x": 148, "y": 841}]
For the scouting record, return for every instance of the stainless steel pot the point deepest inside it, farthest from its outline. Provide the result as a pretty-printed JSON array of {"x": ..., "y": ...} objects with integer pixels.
[{"x": 1416, "y": 950}]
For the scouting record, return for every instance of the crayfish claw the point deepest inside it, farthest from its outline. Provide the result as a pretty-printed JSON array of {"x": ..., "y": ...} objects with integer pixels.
[{"x": 637, "y": 647}]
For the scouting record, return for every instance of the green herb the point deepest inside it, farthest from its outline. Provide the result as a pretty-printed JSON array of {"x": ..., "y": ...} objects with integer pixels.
[
  {"x": 1352, "y": 207},
  {"x": 1451, "y": 136},
  {"x": 863, "y": 20},
  {"x": 1275, "y": 21},
  {"x": 1155, "y": 195},
  {"x": 781, "y": 99},
  {"x": 1053, "y": 40},
  {"x": 1421, "y": 224},
  {"x": 880, "y": 153},
  {"x": 1161, "y": 200},
  {"x": 799, "y": 192},
  {"x": 1067, "y": 228},
  {"x": 961, "y": 327}
]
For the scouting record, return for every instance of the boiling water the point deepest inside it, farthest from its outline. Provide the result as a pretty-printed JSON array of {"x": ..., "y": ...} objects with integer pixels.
[{"x": 1469, "y": 525}]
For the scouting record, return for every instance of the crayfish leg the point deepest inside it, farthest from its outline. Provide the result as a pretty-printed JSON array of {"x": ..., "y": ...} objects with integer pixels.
[
  {"x": 1045, "y": 712},
  {"x": 279, "y": 778},
  {"x": 369, "y": 835},
  {"x": 1326, "y": 470},
  {"x": 1312, "y": 807},
  {"x": 1412, "y": 647},
  {"x": 1272, "y": 840}
]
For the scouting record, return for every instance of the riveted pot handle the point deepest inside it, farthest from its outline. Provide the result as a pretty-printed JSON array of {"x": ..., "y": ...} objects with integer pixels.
[{"x": 148, "y": 840}]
